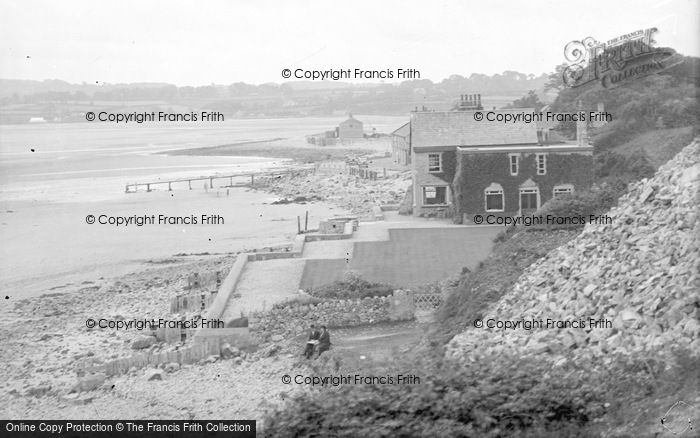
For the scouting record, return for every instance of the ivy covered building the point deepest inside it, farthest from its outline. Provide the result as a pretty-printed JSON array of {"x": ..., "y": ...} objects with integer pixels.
[{"x": 463, "y": 166}]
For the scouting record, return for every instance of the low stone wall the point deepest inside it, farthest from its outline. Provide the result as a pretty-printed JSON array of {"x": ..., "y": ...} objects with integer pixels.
[
  {"x": 216, "y": 309},
  {"x": 207, "y": 342},
  {"x": 191, "y": 302},
  {"x": 348, "y": 228},
  {"x": 295, "y": 319}
]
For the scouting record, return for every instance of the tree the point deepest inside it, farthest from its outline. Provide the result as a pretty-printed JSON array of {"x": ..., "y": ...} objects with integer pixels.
[
  {"x": 531, "y": 100},
  {"x": 555, "y": 80}
]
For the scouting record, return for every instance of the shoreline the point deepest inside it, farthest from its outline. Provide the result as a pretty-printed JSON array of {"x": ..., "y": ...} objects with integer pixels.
[{"x": 289, "y": 148}]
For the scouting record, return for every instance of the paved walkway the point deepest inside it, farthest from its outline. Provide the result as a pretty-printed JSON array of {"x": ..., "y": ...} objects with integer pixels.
[
  {"x": 264, "y": 284},
  {"x": 402, "y": 251}
]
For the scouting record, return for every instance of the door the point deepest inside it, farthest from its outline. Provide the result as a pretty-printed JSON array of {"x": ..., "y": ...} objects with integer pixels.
[{"x": 529, "y": 201}]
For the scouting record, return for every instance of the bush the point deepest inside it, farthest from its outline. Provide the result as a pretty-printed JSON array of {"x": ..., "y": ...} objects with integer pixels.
[
  {"x": 630, "y": 168},
  {"x": 350, "y": 287},
  {"x": 500, "y": 396},
  {"x": 596, "y": 200},
  {"x": 494, "y": 277},
  {"x": 302, "y": 300},
  {"x": 237, "y": 322}
]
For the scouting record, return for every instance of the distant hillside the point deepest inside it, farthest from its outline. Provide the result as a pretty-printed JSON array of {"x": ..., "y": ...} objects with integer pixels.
[{"x": 56, "y": 100}]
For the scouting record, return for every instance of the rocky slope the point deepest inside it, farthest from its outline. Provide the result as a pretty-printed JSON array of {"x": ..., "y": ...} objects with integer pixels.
[{"x": 629, "y": 286}]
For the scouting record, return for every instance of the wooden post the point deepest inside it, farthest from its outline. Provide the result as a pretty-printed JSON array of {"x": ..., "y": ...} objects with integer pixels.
[
  {"x": 252, "y": 180},
  {"x": 148, "y": 187},
  {"x": 211, "y": 182},
  {"x": 170, "y": 186},
  {"x": 298, "y": 224},
  {"x": 306, "y": 221},
  {"x": 230, "y": 181},
  {"x": 385, "y": 173},
  {"x": 189, "y": 183}
]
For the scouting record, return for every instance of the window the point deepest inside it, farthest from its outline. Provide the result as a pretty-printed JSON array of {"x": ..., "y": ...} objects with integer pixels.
[
  {"x": 494, "y": 200},
  {"x": 513, "y": 164},
  {"x": 541, "y": 164},
  {"x": 434, "y": 195},
  {"x": 434, "y": 163},
  {"x": 529, "y": 200},
  {"x": 563, "y": 190}
]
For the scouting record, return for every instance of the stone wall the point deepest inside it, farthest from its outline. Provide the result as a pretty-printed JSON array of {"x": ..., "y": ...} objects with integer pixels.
[
  {"x": 295, "y": 319},
  {"x": 477, "y": 171}
]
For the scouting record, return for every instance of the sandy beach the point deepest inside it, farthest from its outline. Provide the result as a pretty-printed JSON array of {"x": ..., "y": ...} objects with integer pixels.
[
  {"x": 58, "y": 268},
  {"x": 52, "y": 176}
]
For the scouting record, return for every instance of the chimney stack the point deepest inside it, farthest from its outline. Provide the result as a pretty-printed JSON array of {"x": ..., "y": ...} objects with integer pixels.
[{"x": 581, "y": 129}]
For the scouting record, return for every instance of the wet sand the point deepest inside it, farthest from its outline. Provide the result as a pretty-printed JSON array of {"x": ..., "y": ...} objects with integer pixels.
[{"x": 47, "y": 245}]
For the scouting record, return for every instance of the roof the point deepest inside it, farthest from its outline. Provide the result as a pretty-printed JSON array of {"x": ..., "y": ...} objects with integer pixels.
[
  {"x": 459, "y": 128},
  {"x": 350, "y": 119},
  {"x": 403, "y": 131},
  {"x": 561, "y": 147},
  {"x": 544, "y": 123}
]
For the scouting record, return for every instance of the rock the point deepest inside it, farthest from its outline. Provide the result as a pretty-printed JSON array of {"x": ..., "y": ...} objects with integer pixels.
[
  {"x": 88, "y": 383},
  {"x": 77, "y": 399},
  {"x": 211, "y": 359},
  {"x": 154, "y": 374},
  {"x": 39, "y": 390},
  {"x": 228, "y": 352},
  {"x": 277, "y": 338},
  {"x": 647, "y": 195},
  {"x": 172, "y": 367},
  {"x": 270, "y": 350},
  {"x": 143, "y": 342}
]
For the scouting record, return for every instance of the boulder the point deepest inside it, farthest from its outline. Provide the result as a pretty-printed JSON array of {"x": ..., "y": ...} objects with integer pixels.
[
  {"x": 39, "y": 390},
  {"x": 172, "y": 367},
  {"x": 228, "y": 352},
  {"x": 88, "y": 383},
  {"x": 143, "y": 342},
  {"x": 154, "y": 374}
]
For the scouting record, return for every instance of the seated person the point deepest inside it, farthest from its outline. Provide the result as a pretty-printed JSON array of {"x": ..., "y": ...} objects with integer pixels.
[
  {"x": 324, "y": 340},
  {"x": 312, "y": 341}
]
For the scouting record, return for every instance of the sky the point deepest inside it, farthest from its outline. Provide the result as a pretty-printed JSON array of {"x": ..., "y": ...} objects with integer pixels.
[{"x": 226, "y": 41}]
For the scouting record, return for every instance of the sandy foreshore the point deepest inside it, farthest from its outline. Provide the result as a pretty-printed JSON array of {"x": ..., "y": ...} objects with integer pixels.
[
  {"x": 60, "y": 270},
  {"x": 130, "y": 272}
]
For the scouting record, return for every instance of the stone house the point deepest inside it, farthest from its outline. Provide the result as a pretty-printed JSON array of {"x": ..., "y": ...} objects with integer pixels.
[
  {"x": 401, "y": 144},
  {"x": 463, "y": 167},
  {"x": 350, "y": 129}
]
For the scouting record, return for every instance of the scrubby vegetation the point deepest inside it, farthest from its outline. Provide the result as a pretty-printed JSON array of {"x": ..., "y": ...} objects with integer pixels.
[
  {"x": 505, "y": 396},
  {"x": 598, "y": 199},
  {"x": 303, "y": 300},
  {"x": 473, "y": 292},
  {"x": 352, "y": 286}
]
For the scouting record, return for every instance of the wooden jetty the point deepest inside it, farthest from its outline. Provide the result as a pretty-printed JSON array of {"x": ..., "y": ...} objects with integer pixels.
[{"x": 243, "y": 179}]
